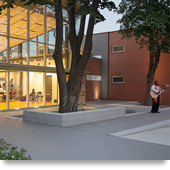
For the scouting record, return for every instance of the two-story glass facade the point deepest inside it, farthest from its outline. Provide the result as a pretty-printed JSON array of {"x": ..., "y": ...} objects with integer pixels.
[{"x": 27, "y": 70}]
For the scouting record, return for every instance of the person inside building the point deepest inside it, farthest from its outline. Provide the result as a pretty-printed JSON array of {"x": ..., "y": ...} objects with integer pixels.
[
  {"x": 3, "y": 92},
  {"x": 32, "y": 95},
  {"x": 4, "y": 85},
  {"x": 11, "y": 88},
  {"x": 155, "y": 101}
]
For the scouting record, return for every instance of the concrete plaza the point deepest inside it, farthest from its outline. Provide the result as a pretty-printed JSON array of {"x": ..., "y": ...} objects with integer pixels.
[{"x": 139, "y": 135}]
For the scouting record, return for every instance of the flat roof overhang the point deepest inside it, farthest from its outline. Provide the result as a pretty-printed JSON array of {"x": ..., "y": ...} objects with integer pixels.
[{"x": 20, "y": 67}]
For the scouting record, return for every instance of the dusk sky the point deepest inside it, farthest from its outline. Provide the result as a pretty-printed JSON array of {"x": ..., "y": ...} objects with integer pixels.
[{"x": 110, "y": 23}]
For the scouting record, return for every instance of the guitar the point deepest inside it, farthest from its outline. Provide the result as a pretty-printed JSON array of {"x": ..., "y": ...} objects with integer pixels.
[{"x": 155, "y": 95}]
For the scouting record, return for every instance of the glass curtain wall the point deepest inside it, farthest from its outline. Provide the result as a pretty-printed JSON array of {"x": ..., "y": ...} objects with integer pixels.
[
  {"x": 27, "y": 37},
  {"x": 3, "y": 34},
  {"x": 18, "y": 51},
  {"x": 31, "y": 35}
]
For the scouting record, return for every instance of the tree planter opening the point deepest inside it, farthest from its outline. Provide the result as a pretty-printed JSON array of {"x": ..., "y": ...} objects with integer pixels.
[{"x": 73, "y": 118}]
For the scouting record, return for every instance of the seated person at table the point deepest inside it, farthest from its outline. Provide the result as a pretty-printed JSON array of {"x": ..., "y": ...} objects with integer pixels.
[{"x": 32, "y": 95}]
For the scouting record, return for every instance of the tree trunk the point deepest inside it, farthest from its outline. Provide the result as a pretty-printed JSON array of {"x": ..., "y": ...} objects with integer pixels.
[
  {"x": 150, "y": 79},
  {"x": 58, "y": 57},
  {"x": 73, "y": 93},
  {"x": 70, "y": 91},
  {"x": 154, "y": 60}
]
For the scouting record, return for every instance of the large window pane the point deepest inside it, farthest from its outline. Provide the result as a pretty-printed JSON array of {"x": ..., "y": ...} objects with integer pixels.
[
  {"x": 65, "y": 36},
  {"x": 3, "y": 49},
  {"x": 18, "y": 89},
  {"x": 18, "y": 21},
  {"x": 69, "y": 58},
  {"x": 51, "y": 89},
  {"x": 51, "y": 37},
  {"x": 18, "y": 51},
  {"x": 3, "y": 89},
  {"x": 50, "y": 50},
  {"x": 36, "y": 88},
  {"x": 3, "y": 21},
  {"x": 51, "y": 26},
  {"x": 36, "y": 54},
  {"x": 67, "y": 55},
  {"x": 77, "y": 24},
  {"x": 37, "y": 13},
  {"x": 50, "y": 61}
]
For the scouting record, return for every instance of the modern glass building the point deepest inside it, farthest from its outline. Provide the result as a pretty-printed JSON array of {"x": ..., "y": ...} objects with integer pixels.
[{"x": 27, "y": 70}]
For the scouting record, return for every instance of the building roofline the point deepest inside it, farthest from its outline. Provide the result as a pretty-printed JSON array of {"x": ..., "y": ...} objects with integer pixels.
[{"x": 105, "y": 32}]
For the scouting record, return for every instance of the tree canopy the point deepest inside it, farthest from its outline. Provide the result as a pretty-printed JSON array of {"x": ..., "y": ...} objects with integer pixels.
[
  {"x": 149, "y": 22},
  {"x": 144, "y": 19}
]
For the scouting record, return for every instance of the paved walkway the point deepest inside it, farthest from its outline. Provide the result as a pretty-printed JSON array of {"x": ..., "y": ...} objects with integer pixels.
[{"x": 117, "y": 139}]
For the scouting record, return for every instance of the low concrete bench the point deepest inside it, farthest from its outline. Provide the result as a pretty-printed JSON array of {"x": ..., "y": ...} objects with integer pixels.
[{"x": 73, "y": 118}]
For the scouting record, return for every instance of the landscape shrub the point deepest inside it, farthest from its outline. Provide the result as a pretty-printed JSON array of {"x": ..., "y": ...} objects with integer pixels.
[{"x": 9, "y": 152}]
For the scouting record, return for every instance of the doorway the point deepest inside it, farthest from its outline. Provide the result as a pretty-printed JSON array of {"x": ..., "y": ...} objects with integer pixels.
[{"x": 49, "y": 88}]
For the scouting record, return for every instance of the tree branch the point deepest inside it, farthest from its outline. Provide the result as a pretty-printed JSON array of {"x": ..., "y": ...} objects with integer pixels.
[
  {"x": 88, "y": 42},
  {"x": 81, "y": 31},
  {"x": 71, "y": 15}
]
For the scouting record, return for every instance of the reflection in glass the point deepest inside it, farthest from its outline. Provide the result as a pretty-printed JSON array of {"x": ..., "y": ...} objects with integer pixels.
[
  {"x": 51, "y": 37},
  {"x": 18, "y": 51},
  {"x": 3, "y": 49},
  {"x": 77, "y": 24},
  {"x": 50, "y": 61},
  {"x": 51, "y": 25},
  {"x": 36, "y": 89},
  {"x": 3, "y": 89},
  {"x": 41, "y": 38},
  {"x": 50, "y": 50},
  {"x": 18, "y": 89},
  {"x": 36, "y": 54},
  {"x": 65, "y": 35}
]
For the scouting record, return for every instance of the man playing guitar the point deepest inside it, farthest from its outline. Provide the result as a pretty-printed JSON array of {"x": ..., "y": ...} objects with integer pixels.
[{"x": 156, "y": 90}]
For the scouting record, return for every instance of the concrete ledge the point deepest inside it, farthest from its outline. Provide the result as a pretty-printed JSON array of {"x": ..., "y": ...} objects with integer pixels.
[{"x": 73, "y": 118}]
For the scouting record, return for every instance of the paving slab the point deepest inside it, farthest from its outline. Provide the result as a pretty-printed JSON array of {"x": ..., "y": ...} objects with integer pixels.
[
  {"x": 86, "y": 142},
  {"x": 153, "y": 133}
]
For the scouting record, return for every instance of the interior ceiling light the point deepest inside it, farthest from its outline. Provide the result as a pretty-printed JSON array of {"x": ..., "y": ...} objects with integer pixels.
[
  {"x": 20, "y": 28},
  {"x": 24, "y": 20},
  {"x": 38, "y": 24}
]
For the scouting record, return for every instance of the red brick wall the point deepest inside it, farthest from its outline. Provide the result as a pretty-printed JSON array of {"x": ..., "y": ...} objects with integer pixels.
[
  {"x": 163, "y": 76},
  {"x": 93, "y": 88},
  {"x": 133, "y": 64}
]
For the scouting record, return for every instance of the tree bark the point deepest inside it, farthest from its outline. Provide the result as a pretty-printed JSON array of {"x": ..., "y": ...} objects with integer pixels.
[{"x": 58, "y": 57}]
